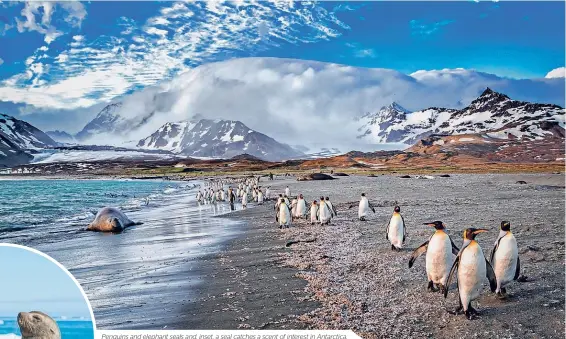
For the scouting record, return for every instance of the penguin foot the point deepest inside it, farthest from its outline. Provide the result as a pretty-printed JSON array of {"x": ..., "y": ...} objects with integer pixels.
[
  {"x": 469, "y": 315},
  {"x": 431, "y": 287},
  {"x": 441, "y": 288},
  {"x": 457, "y": 310}
]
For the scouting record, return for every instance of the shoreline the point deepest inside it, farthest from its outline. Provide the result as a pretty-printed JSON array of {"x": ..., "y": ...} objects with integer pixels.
[
  {"x": 254, "y": 282},
  {"x": 348, "y": 278}
]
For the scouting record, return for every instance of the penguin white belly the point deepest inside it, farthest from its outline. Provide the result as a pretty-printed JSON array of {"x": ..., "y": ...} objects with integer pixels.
[
  {"x": 301, "y": 208},
  {"x": 471, "y": 274},
  {"x": 505, "y": 260},
  {"x": 364, "y": 208},
  {"x": 396, "y": 229},
  {"x": 324, "y": 213},
  {"x": 284, "y": 216},
  {"x": 260, "y": 198},
  {"x": 314, "y": 210},
  {"x": 439, "y": 258}
]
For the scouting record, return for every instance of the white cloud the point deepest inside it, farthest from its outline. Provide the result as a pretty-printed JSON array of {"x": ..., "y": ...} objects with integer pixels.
[
  {"x": 75, "y": 13},
  {"x": 311, "y": 103},
  {"x": 559, "y": 72},
  {"x": 365, "y": 53},
  {"x": 1, "y": 61},
  {"x": 172, "y": 42}
]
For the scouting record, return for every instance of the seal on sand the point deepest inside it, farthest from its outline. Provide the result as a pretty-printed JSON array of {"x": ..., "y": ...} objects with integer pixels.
[
  {"x": 110, "y": 219},
  {"x": 38, "y": 325}
]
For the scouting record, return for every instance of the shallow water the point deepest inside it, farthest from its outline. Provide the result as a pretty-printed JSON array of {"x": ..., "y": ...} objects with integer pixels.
[
  {"x": 70, "y": 329},
  {"x": 138, "y": 278}
]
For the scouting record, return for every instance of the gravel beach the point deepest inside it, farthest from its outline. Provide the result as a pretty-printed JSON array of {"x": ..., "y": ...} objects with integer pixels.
[{"x": 348, "y": 277}]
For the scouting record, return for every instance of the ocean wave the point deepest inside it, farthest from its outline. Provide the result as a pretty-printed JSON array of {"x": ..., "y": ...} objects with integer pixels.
[
  {"x": 76, "y": 217},
  {"x": 169, "y": 190}
]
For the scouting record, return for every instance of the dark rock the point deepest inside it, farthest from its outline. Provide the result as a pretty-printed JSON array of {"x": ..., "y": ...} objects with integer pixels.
[
  {"x": 340, "y": 174},
  {"x": 444, "y": 175},
  {"x": 405, "y": 176},
  {"x": 521, "y": 182}
]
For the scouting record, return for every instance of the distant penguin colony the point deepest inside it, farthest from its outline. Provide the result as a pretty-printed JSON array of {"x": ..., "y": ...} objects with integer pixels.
[{"x": 444, "y": 261}]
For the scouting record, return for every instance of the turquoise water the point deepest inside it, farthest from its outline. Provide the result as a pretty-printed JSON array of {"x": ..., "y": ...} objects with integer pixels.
[
  {"x": 136, "y": 279},
  {"x": 32, "y": 209},
  {"x": 74, "y": 329}
]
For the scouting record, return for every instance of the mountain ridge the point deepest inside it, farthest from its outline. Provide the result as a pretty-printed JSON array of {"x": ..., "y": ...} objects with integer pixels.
[
  {"x": 216, "y": 139},
  {"x": 491, "y": 112}
]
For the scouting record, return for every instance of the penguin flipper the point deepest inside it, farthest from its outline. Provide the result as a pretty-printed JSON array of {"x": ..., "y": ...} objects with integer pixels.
[
  {"x": 451, "y": 275},
  {"x": 518, "y": 269},
  {"x": 490, "y": 276},
  {"x": 455, "y": 249},
  {"x": 418, "y": 252}
]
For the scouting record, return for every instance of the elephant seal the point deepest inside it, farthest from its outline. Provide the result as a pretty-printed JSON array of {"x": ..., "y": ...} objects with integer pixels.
[
  {"x": 38, "y": 325},
  {"x": 110, "y": 219}
]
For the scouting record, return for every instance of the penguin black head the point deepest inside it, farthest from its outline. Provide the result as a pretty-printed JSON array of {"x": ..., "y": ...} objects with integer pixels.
[
  {"x": 363, "y": 194},
  {"x": 439, "y": 225},
  {"x": 314, "y": 202},
  {"x": 321, "y": 198},
  {"x": 470, "y": 233},
  {"x": 506, "y": 226},
  {"x": 327, "y": 198},
  {"x": 300, "y": 196},
  {"x": 280, "y": 195},
  {"x": 397, "y": 209}
]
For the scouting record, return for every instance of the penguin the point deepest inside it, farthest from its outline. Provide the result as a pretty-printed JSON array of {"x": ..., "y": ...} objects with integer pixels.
[
  {"x": 314, "y": 212},
  {"x": 364, "y": 207},
  {"x": 268, "y": 193},
  {"x": 440, "y": 251},
  {"x": 504, "y": 258},
  {"x": 331, "y": 207},
  {"x": 301, "y": 207},
  {"x": 293, "y": 208},
  {"x": 396, "y": 230},
  {"x": 244, "y": 201},
  {"x": 259, "y": 197},
  {"x": 199, "y": 196},
  {"x": 287, "y": 191},
  {"x": 324, "y": 213},
  {"x": 284, "y": 214},
  {"x": 472, "y": 267}
]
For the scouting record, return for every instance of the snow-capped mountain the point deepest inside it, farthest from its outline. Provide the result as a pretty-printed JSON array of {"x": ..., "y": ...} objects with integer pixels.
[
  {"x": 299, "y": 101},
  {"x": 216, "y": 139},
  {"x": 491, "y": 112},
  {"x": 168, "y": 137},
  {"x": 106, "y": 121},
  {"x": 18, "y": 140},
  {"x": 61, "y": 136}
]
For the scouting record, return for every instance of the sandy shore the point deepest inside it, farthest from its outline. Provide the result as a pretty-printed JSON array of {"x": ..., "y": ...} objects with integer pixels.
[{"x": 354, "y": 281}]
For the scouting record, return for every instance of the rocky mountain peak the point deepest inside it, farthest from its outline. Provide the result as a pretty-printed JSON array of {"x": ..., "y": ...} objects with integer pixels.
[{"x": 489, "y": 98}]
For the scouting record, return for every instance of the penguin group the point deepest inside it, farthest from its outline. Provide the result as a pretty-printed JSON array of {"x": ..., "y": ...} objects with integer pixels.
[
  {"x": 320, "y": 212},
  {"x": 245, "y": 190},
  {"x": 444, "y": 261}
]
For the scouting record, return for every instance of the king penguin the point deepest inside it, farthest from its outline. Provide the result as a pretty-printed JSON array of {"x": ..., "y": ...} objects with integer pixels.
[
  {"x": 472, "y": 267},
  {"x": 505, "y": 258},
  {"x": 284, "y": 214},
  {"x": 440, "y": 251},
  {"x": 364, "y": 207},
  {"x": 396, "y": 230}
]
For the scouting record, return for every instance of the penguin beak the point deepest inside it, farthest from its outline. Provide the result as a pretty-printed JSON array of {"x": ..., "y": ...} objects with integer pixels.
[{"x": 480, "y": 230}]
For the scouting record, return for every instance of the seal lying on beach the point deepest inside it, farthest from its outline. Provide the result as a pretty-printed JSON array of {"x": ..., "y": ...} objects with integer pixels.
[
  {"x": 38, "y": 325},
  {"x": 110, "y": 219}
]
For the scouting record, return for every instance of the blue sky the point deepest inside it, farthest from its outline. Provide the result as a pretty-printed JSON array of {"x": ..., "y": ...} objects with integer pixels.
[
  {"x": 31, "y": 282},
  {"x": 75, "y": 56}
]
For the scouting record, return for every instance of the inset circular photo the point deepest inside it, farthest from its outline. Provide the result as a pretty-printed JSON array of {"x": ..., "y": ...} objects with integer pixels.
[{"x": 39, "y": 298}]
